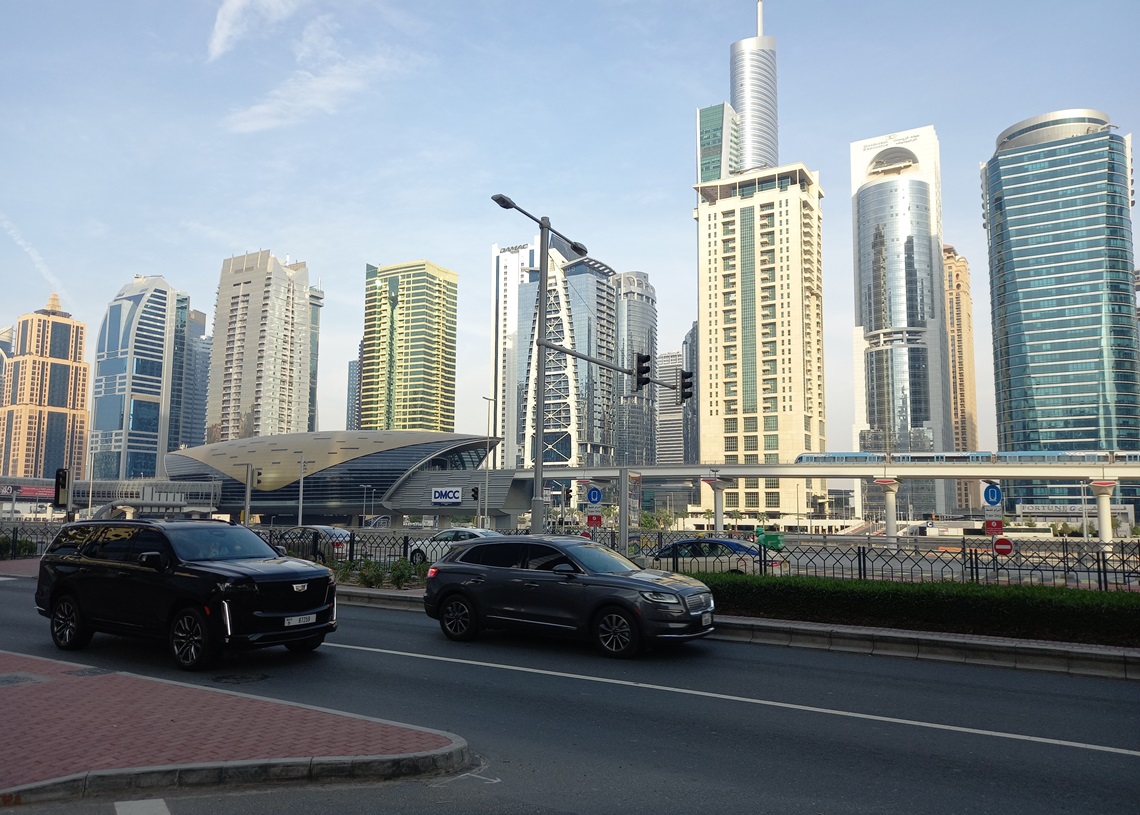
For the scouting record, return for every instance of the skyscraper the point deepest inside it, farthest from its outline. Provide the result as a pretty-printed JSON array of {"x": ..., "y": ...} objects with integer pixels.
[
  {"x": 408, "y": 353},
  {"x": 43, "y": 407},
  {"x": 900, "y": 304},
  {"x": 636, "y": 414},
  {"x": 580, "y": 397},
  {"x": 963, "y": 389},
  {"x": 742, "y": 134},
  {"x": 261, "y": 372},
  {"x": 352, "y": 396},
  {"x": 759, "y": 379},
  {"x": 1056, "y": 196},
  {"x": 760, "y": 316},
  {"x": 670, "y": 412},
  {"x": 147, "y": 394}
]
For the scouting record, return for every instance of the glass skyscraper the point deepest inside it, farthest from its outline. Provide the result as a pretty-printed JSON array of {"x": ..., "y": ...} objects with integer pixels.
[
  {"x": 900, "y": 304},
  {"x": 1057, "y": 195}
]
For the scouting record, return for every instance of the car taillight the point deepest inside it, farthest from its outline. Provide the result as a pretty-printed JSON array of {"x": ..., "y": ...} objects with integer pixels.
[{"x": 432, "y": 571}]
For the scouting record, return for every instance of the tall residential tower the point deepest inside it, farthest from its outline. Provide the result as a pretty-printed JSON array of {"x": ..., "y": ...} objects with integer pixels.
[
  {"x": 407, "y": 358},
  {"x": 43, "y": 407},
  {"x": 261, "y": 368}
]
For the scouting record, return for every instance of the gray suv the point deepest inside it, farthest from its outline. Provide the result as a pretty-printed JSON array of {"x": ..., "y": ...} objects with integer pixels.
[{"x": 564, "y": 585}]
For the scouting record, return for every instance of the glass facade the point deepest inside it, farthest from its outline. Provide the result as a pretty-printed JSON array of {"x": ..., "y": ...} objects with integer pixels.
[{"x": 1062, "y": 287}]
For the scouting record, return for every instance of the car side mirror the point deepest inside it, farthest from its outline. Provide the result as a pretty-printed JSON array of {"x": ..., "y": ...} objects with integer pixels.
[
  {"x": 565, "y": 569},
  {"x": 151, "y": 560},
  {"x": 280, "y": 550}
]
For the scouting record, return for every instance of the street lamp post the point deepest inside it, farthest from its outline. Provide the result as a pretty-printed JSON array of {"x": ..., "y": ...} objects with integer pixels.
[
  {"x": 364, "y": 502},
  {"x": 487, "y": 467},
  {"x": 537, "y": 522},
  {"x": 301, "y": 491}
]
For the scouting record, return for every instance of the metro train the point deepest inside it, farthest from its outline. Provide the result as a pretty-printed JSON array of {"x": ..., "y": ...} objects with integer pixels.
[{"x": 975, "y": 457}]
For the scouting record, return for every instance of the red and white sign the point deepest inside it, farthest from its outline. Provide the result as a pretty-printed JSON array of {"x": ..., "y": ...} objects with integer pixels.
[
  {"x": 593, "y": 520},
  {"x": 1003, "y": 546},
  {"x": 886, "y": 481},
  {"x": 994, "y": 527}
]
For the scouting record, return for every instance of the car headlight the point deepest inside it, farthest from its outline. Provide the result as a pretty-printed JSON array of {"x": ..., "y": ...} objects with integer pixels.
[{"x": 661, "y": 597}]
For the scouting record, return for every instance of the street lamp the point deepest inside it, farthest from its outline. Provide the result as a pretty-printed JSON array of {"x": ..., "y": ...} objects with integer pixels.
[
  {"x": 301, "y": 489},
  {"x": 364, "y": 502},
  {"x": 537, "y": 523},
  {"x": 487, "y": 466}
]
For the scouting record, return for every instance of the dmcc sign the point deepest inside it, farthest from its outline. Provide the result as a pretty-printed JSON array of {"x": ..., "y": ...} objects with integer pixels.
[{"x": 446, "y": 495}]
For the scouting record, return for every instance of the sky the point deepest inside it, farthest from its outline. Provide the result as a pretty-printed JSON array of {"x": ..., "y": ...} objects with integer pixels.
[{"x": 161, "y": 138}]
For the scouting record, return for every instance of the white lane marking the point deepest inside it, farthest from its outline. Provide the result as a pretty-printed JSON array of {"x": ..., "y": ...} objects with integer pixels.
[
  {"x": 997, "y": 734},
  {"x": 8, "y": 578},
  {"x": 151, "y": 806}
]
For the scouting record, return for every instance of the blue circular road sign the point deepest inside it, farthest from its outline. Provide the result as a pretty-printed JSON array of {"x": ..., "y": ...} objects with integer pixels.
[
  {"x": 594, "y": 495},
  {"x": 992, "y": 495}
]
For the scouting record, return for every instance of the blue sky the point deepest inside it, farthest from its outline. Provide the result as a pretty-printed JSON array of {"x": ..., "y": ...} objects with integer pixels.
[{"x": 160, "y": 138}]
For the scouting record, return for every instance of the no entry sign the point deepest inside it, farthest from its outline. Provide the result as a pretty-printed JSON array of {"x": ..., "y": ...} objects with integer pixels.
[{"x": 1003, "y": 546}]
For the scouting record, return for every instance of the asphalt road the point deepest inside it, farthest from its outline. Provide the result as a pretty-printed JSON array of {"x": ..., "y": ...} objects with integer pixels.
[{"x": 708, "y": 727}]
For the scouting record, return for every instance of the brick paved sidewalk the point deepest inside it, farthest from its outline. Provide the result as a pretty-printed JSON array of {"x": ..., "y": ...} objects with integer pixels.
[{"x": 72, "y": 730}]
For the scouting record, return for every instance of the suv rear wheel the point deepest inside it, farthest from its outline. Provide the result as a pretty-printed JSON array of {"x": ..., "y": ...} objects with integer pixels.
[
  {"x": 191, "y": 643},
  {"x": 69, "y": 631},
  {"x": 616, "y": 633},
  {"x": 457, "y": 619}
]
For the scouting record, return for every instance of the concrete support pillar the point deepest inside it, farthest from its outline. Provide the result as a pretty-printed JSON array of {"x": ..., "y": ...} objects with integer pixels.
[
  {"x": 1103, "y": 491},
  {"x": 890, "y": 497}
]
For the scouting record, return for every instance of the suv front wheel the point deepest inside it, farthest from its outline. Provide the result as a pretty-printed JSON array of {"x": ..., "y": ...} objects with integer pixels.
[
  {"x": 69, "y": 631},
  {"x": 191, "y": 643},
  {"x": 616, "y": 633}
]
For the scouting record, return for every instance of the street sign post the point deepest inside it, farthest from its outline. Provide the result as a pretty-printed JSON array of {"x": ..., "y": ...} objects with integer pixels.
[
  {"x": 593, "y": 520},
  {"x": 593, "y": 496},
  {"x": 992, "y": 495},
  {"x": 1003, "y": 546},
  {"x": 994, "y": 527}
]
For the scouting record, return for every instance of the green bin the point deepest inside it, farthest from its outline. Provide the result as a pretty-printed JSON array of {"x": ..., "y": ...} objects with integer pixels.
[{"x": 773, "y": 541}]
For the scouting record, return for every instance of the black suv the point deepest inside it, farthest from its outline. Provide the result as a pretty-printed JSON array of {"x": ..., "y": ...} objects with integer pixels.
[
  {"x": 568, "y": 585},
  {"x": 201, "y": 585}
]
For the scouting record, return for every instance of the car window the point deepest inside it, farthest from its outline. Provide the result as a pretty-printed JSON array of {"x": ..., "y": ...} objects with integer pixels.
[
  {"x": 691, "y": 549},
  {"x": 718, "y": 549},
  {"x": 112, "y": 543},
  {"x": 602, "y": 560},
  {"x": 664, "y": 552},
  {"x": 444, "y": 536},
  {"x": 218, "y": 542},
  {"x": 69, "y": 539},
  {"x": 500, "y": 555},
  {"x": 544, "y": 558}
]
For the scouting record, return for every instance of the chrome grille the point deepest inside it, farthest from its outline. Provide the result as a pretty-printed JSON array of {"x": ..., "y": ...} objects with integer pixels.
[
  {"x": 702, "y": 601},
  {"x": 282, "y": 597}
]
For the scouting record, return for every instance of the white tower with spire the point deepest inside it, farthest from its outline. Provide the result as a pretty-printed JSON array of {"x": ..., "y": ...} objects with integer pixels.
[{"x": 753, "y": 97}]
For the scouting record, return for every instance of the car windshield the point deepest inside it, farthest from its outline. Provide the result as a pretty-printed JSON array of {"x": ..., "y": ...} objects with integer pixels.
[
  {"x": 210, "y": 542},
  {"x": 601, "y": 560}
]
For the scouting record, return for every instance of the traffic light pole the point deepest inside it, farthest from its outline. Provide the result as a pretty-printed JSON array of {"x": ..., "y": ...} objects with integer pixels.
[{"x": 604, "y": 363}]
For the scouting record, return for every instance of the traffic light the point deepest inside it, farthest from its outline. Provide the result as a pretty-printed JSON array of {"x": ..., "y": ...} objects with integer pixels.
[
  {"x": 685, "y": 386},
  {"x": 642, "y": 371},
  {"x": 62, "y": 488},
  {"x": 565, "y": 494},
  {"x": 474, "y": 493},
  {"x": 257, "y": 477}
]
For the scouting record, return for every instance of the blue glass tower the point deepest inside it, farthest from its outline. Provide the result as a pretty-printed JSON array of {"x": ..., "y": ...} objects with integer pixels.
[{"x": 1056, "y": 196}]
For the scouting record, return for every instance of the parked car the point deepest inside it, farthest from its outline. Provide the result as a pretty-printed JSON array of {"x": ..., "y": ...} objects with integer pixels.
[
  {"x": 324, "y": 544},
  {"x": 434, "y": 547},
  {"x": 715, "y": 555},
  {"x": 564, "y": 584},
  {"x": 203, "y": 586}
]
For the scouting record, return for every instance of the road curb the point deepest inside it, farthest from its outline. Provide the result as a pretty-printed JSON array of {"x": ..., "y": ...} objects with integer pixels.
[
  {"x": 1029, "y": 655},
  {"x": 323, "y": 769}
]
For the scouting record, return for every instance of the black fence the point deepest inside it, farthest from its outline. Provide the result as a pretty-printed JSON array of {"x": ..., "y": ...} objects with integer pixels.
[{"x": 1070, "y": 562}]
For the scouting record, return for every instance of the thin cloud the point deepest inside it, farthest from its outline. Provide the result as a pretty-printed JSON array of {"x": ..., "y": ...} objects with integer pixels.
[
  {"x": 306, "y": 93},
  {"x": 237, "y": 17},
  {"x": 37, "y": 260}
]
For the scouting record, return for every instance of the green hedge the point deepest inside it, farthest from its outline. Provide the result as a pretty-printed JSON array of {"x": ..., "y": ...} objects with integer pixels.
[{"x": 1029, "y": 612}]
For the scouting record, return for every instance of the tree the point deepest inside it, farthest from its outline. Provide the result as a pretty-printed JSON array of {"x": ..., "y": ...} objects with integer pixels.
[
  {"x": 735, "y": 515},
  {"x": 708, "y": 516}
]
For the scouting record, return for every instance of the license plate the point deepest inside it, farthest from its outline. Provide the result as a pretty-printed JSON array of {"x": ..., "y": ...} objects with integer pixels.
[
  {"x": 303, "y": 619},
  {"x": 706, "y": 619}
]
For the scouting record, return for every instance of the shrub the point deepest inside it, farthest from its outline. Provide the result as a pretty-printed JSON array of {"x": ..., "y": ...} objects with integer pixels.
[
  {"x": 1035, "y": 612},
  {"x": 371, "y": 574},
  {"x": 402, "y": 571}
]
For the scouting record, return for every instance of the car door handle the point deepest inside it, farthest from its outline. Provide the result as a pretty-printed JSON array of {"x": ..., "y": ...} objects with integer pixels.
[{"x": 530, "y": 585}]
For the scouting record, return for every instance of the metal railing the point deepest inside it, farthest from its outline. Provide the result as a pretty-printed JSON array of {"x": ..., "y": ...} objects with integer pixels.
[{"x": 1071, "y": 562}]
